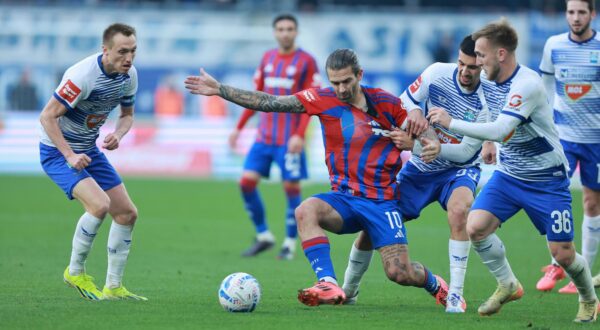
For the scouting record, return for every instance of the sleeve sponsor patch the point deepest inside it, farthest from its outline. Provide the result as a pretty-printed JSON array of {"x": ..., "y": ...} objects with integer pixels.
[
  {"x": 414, "y": 87},
  {"x": 69, "y": 91}
]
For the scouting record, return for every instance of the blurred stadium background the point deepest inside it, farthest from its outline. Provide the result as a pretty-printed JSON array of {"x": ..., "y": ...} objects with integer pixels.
[{"x": 177, "y": 134}]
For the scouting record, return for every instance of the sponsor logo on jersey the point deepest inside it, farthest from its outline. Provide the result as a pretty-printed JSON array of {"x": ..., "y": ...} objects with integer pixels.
[
  {"x": 577, "y": 91},
  {"x": 515, "y": 102},
  {"x": 291, "y": 70},
  {"x": 445, "y": 137},
  {"x": 594, "y": 57},
  {"x": 469, "y": 115},
  {"x": 269, "y": 68},
  {"x": 91, "y": 121},
  {"x": 377, "y": 130},
  {"x": 278, "y": 82},
  {"x": 414, "y": 87},
  {"x": 69, "y": 91}
]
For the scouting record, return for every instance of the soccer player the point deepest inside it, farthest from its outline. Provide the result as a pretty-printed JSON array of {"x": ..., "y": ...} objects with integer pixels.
[
  {"x": 363, "y": 164},
  {"x": 571, "y": 73},
  {"x": 283, "y": 71},
  {"x": 531, "y": 175},
  {"x": 71, "y": 121},
  {"x": 452, "y": 183}
]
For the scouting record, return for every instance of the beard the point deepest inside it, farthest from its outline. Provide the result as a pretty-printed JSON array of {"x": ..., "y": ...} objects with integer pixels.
[
  {"x": 493, "y": 73},
  {"x": 582, "y": 31}
]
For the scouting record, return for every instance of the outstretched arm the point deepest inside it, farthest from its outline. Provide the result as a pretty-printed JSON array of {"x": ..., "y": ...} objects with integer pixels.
[{"x": 205, "y": 84}]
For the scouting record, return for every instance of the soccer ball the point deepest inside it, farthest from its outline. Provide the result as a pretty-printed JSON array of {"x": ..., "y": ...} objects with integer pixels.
[{"x": 239, "y": 292}]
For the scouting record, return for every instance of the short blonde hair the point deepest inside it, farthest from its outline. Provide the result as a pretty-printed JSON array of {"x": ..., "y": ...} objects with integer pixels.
[{"x": 500, "y": 34}]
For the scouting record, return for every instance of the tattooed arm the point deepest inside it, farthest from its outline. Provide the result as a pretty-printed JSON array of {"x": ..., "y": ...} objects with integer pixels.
[{"x": 205, "y": 84}]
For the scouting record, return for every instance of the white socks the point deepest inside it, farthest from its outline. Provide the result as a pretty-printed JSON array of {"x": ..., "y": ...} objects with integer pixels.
[
  {"x": 492, "y": 253},
  {"x": 85, "y": 232},
  {"x": 119, "y": 243},
  {"x": 579, "y": 273},
  {"x": 458, "y": 252},
  {"x": 265, "y": 236},
  {"x": 358, "y": 263},
  {"x": 290, "y": 243},
  {"x": 590, "y": 238}
]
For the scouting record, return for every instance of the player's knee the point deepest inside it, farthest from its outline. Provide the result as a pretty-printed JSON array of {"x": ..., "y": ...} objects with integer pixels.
[
  {"x": 305, "y": 213},
  {"x": 127, "y": 217},
  {"x": 457, "y": 217},
  {"x": 563, "y": 253},
  {"x": 99, "y": 206},
  {"x": 399, "y": 275},
  {"x": 475, "y": 233},
  {"x": 248, "y": 184},
  {"x": 591, "y": 204}
]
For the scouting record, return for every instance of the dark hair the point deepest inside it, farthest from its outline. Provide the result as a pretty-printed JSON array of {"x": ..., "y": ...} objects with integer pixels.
[
  {"x": 113, "y": 29},
  {"x": 341, "y": 59},
  {"x": 590, "y": 3},
  {"x": 499, "y": 34},
  {"x": 285, "y": 17},
  {"x": 467, "y": 46}
]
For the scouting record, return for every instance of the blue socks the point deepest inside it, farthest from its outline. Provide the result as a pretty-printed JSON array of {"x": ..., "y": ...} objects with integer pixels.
[
  {"x": 254, "y": 204},
  {"x": 317, "y": 252}
]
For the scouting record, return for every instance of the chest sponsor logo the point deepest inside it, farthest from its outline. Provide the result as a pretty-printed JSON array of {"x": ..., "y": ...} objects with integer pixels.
[
  {"x": 594, "y": 57},
  {"x": 414, "y": 87},
  {"x": 445, "y": 137},
  {"x": 69, "y": 91},
  {"x": 91, "y": 121},
  {"x": 269, "y": 68},
  {"x": 577, "y": 91},
  {"x": 291, "y": 70}
]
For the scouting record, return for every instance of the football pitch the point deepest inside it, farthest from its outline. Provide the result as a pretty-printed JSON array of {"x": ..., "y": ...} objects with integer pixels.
[{"x": 189, "y": 236}]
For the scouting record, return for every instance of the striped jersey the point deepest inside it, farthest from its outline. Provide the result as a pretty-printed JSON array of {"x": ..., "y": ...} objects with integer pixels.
[
  {"x": 576, "y": 69},
  {"x": 360, "y": 156},
  {"x": 283, "y": 74},
  {"x": 89, "y": 95},
  {"x": 438, "y": 86},
  {"x": 532, "y": 151}
]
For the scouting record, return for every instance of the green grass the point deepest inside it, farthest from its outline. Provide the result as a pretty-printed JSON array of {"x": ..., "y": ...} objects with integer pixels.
[{"x": 188, "y": 238}]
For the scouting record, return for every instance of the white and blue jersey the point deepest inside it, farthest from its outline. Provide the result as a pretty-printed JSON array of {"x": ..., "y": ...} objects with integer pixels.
[
  {"x": 576, "y": 69},
  {"x": 438, "y": 86},
  {"x": 89, "y": 94},
  {"x": 532, "y": 151}
]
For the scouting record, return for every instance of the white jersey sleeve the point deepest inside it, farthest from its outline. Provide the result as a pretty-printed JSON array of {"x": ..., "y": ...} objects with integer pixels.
[
  {"x": 418, "y": 91},
  {"x": 73, "y": 87},
  {"x": 546, "y": 66}
]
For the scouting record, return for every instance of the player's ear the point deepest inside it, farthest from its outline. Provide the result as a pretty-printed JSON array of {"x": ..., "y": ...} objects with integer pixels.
[{"x": 359, "y": 75}]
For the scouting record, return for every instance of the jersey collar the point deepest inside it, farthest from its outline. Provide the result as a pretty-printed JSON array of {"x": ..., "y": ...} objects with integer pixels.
[
  {"x": 111, "y": 76},
  {"x": 584, "y": 41},
  {"x": 457, "y": 84}
]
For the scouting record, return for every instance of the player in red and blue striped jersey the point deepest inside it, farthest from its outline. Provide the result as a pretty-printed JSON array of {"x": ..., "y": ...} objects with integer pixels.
[
  {"x": 280, "y": 136},
  {"x": 363, "y": 163}
]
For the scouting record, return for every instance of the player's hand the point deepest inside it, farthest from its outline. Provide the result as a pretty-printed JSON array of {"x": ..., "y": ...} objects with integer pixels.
[
  {"x": 204, "y": 84},
  {"x": 416, "y": 123},
  {"x": 111, "y": 142},
  {"x": 439, "y": 116},
  {"x": 431, "y": 149},
  {"x": 402, "y": 140},
  {"x": 295, "y": 144},
  {"x": 488, "y": 152},
  {"x": 233, "y": 137},
  {"x": 78, "y": 161}
]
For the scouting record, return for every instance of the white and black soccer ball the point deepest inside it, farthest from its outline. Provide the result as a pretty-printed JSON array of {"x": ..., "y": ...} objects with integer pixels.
[{"x": 239, "y": 292}]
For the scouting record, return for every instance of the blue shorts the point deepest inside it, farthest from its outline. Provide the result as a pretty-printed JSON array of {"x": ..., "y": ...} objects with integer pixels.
[
  {"x": 419, "y": 189},
  {"x": 381, "y": 219},
  {"x": 260, "y": 157},
  {"x": 547, "y": 203},
  {"x": 588, "y": 157},
  {"x": 57, "y": 168}
]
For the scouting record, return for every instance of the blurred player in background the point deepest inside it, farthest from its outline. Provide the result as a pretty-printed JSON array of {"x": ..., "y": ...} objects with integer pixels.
[
  {"x": 363, "y": 164},
  {"x": 452, "y": 182},
  {"x": 280, "y": 136},
  {"x": 532, "y": 174},
  {"x": 571, "y": 73},
  {"x": 71, "y": 121}
]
